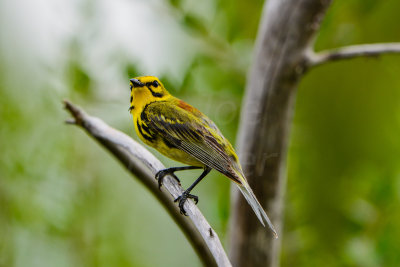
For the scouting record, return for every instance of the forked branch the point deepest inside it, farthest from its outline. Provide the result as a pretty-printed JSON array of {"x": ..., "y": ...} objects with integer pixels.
[
  {"x": 348, "y": 52},
  {"x": 144, "y": 165}
]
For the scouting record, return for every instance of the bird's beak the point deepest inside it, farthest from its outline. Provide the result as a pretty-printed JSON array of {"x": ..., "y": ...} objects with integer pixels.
[{"x": 136, "y": 83}]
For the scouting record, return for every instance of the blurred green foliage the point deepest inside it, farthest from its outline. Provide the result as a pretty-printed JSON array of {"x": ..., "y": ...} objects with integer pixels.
[{"x": 64, "y": 201}]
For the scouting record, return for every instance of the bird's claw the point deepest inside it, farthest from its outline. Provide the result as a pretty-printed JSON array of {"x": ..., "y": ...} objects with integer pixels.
[
  {"x": 161, "y": 174},
  {"x": 182, "y": 199}
]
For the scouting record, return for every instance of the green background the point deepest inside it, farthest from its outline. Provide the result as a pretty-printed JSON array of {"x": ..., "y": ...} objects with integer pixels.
[{"x": 64, "y": 201}]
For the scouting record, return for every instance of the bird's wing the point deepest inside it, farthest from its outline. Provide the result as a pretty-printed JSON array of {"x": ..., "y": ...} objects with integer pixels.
[{"x": 192, "y": 134}]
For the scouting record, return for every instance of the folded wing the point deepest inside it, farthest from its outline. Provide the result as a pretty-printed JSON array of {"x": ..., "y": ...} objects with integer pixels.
[{"x": 194, "y": 134}]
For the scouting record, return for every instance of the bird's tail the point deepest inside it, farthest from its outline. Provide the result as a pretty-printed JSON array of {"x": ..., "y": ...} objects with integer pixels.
[{"x": 255, "y": 205}]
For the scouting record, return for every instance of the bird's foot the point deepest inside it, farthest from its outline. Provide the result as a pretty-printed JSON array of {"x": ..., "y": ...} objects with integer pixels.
[
  {"x": 161, "y": 174},
  {"x": 182, "y": 199}
]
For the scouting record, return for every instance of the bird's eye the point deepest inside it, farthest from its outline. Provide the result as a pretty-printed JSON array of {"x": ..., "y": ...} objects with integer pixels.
[{"x": 155, "y": 84}]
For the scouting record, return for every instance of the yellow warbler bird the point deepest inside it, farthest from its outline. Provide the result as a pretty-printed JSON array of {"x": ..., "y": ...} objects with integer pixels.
[{"x": 183, "y": 133}]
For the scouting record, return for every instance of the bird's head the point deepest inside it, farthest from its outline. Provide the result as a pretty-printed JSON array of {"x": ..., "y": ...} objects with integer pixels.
[
  {"x": 149, "y": 86},
  {"x": 146, "y": 89}
]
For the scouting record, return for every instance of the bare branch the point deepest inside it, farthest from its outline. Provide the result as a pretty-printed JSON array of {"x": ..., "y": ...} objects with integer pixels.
[
  {"x": 353, "y": 51},
  {"x": 144, "y": 165},
  {"x": 282, "y": 54}
]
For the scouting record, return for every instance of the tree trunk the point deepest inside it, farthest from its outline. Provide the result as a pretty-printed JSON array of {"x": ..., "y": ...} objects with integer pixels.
[{"x": 284, "y": 38}]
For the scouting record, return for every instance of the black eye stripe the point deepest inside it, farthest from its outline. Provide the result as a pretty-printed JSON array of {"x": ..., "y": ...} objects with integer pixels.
[{"x": 155, "y": 94}]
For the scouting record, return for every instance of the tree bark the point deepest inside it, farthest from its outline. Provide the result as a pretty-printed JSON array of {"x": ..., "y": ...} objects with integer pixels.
[{"x": 284, "y": 38}]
